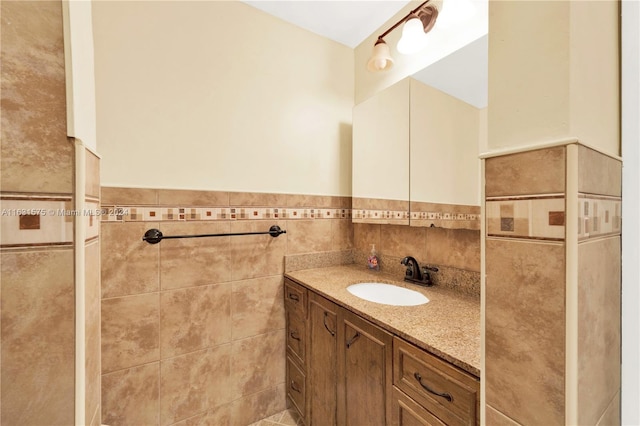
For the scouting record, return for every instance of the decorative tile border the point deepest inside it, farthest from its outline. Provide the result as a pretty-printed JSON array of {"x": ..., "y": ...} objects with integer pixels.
[
  {"x": 45, "y": 220},
  {"x": 543, "y": 217},
  {"x": 598, "y": 216},
  {"x": 438, "y": 215},
  {"x": 535, "y": 217},
  {"x": 30, "y": 220},
  {"x": 443, "y": 216},
  {"x": 382, "y": 215},
  {"x": 165, "y": 213},
  {"x": 92, "y": 218},
  {"x": 192, "y": 206},
  {"x": 390, "y": 214}
]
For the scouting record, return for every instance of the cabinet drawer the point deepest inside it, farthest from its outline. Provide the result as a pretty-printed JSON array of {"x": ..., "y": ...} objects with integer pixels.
[
  {"x": 296, "y": 336},
  {"x": 444, "y": 390},
  {"x": 296, "y": 384},
  {"x": 295, "y": 297},
  {"x": 407, "y": 412}
]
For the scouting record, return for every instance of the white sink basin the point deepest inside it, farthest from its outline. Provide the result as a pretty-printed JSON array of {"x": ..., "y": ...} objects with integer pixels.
[{"x": 387, "y": 294}]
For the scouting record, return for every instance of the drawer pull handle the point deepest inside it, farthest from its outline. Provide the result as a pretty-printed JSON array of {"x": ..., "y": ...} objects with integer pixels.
[
  {"x": 294, "y": 387},
  {"x": 294, "y": 297},
  {"x": 326, "y": 314},
  {"x": 353, "y": 339},
  {"x": 444, "y": 395},
  {"x": 294, "y": 335}
]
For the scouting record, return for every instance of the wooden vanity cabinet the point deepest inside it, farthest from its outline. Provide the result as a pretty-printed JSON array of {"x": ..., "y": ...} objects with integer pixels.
[
  {"x": 339, "y": 372},
  {"x": 365, "y": 372},
  {"x": 344, "y": 370}
]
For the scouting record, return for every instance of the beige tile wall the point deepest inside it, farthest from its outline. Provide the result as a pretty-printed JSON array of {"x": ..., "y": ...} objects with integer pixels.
[
  {"x": 525, "y": 326},
  {"x": 193, "y": 329},
  {"x": 93, "y": 349},
  {"x": 599, "y": 292},
  {"x": 526, "y": 331},
  {"x": 92, "y": 333},
  {"x": 38, "y": 344},
  {"x": 36, "y": 156},
  {"x": 598, "y": 327},
  {"x": 37, "y": 320},
  {"x": 525, "y": 286}
]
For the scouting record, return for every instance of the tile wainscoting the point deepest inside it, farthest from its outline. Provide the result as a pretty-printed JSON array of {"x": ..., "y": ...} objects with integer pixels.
[
  {"x": 193, "y": 330},
  {"x": 182, "y": 319}
]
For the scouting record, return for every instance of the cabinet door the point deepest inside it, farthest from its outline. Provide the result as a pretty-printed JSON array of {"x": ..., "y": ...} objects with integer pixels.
[
  {"x": 322, "y": 371},
  {"x": 366, "y": 367}
]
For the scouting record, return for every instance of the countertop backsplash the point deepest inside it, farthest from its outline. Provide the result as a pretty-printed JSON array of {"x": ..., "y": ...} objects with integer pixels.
[{"x": 459, "y": 280}]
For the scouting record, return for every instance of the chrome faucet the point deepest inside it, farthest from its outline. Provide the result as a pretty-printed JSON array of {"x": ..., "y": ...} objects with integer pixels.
[{"x": 415, "y": 274}]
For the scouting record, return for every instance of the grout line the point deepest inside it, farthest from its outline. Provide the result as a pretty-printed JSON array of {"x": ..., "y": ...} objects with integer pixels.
[
  {"x": 192, "y": 287},
  {"x": 120, "y": 370},
  {"x": 159, "y": 360}
]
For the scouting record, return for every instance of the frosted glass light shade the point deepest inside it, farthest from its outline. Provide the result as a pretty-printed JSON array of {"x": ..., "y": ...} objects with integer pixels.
[
  {"x": 455, "y": 12},
  {"x": 381, "y": 59},
  {"x": 413, "y": 39}
]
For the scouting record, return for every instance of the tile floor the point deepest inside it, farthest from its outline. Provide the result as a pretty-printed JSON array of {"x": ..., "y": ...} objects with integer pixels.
[{"x": 287, "y": 417}]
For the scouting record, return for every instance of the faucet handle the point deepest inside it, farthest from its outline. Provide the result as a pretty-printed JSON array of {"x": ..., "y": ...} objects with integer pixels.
[{"x": 426, "y": 276}]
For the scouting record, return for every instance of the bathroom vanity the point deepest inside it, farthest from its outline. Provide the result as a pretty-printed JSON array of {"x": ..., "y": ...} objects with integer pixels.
[{"x": 354, "y": 362}]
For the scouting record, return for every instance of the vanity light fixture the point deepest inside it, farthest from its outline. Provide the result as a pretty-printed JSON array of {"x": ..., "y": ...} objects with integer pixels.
[{"x": 417, "y": 24}]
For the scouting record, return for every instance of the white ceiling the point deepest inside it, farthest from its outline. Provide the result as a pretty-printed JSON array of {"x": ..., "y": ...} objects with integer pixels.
[
  {"x": 462, "y": 73},
  {"x": 348, "y": 22}
]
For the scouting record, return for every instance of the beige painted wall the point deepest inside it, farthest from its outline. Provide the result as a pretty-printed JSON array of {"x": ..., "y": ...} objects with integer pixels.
[
  {"x": 594, "y": 74},
  {"x": 483, "y": 124},
  {"x": 544, "y": 86},
  {"x": 218, "y": 95}
]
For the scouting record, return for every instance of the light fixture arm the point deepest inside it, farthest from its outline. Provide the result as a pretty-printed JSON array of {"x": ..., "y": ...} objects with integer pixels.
[
  {"x": 412, "y": 35},
  {"x": 401, "y": 21}
]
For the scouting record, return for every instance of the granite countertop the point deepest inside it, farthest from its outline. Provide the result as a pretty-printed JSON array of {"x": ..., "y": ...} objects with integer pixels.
[{"x": 448, "y": 326}]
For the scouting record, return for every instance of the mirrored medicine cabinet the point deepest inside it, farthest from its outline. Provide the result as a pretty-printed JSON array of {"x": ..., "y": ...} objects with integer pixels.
[{"x": 416, "y": 146}]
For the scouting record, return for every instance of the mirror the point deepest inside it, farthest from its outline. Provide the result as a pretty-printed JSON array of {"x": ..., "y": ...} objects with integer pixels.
[
  {"x": 381, "y": 157},
  {"x": 416, "y": 145}
]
